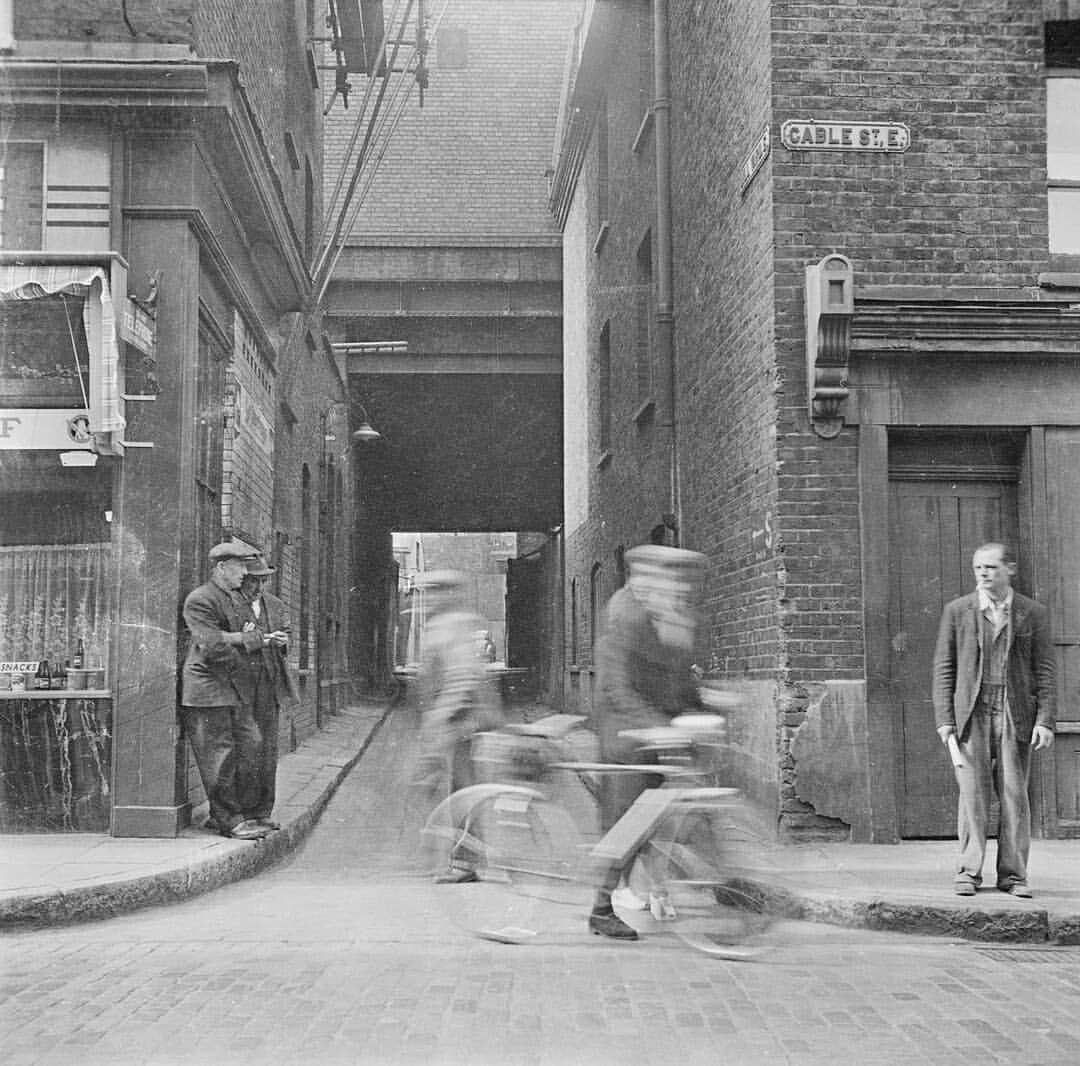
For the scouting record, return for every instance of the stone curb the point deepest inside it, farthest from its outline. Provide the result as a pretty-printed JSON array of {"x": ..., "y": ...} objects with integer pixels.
[
  {"x": 238, "y": 860},
  {"x": 1035, "y": 925}
]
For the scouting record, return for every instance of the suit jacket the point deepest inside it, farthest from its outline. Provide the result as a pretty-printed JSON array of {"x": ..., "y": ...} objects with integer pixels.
[
  {"x": 641, "y": 682},
  {"x": 1030, "y": 668},
  {"x": 213, "y": 665},
  {"x": 274, "y": 615}
]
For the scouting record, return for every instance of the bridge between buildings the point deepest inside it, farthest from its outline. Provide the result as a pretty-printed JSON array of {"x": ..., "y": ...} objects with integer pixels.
[{"x": 454, "y": 354}]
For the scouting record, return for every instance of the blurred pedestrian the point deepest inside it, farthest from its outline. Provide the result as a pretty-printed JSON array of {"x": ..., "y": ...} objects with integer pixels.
[
  {"x": 266, "y": 684},
  {"x": 995, "y": 702},
  {"x": 457, "y": 700},
  {"x": 644, "y": 678},
  {"x": 218, "y": 720}
]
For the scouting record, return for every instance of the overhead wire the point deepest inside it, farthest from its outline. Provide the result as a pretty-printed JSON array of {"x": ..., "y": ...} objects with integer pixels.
[
  {"x": 345, "y": 224},
  {"x": 331, "y": 206},
  {"x": 320, "y": 264}
]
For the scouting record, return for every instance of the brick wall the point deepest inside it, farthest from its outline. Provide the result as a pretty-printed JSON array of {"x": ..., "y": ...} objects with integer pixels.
[
  {"x": 160, "y": 21},
  {"x": 268, "y": 41},
  {"x": 614, "y": 501}
]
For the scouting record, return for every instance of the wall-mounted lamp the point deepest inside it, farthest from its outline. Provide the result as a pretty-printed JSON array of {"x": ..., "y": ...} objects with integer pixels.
[{"x": 366, "y": 432}]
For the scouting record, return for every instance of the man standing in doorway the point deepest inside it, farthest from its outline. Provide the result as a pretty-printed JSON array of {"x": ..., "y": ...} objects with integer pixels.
[
  {"x": 994, "y": 703},
  {"x": 266, "y": 684}
]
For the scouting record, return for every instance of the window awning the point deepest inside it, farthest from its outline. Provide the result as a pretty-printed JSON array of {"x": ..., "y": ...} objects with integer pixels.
[{"x": 99, "y": 318}]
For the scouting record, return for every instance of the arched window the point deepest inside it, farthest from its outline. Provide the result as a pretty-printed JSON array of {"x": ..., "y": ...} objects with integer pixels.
[
  {"x": 307, "y": 534},
  {"x": 596, "y": 604},
  {"x": 573, "y": 622}
]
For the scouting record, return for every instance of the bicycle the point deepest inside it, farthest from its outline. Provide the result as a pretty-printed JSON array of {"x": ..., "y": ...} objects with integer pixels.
[{"x": 527, "y": 850}]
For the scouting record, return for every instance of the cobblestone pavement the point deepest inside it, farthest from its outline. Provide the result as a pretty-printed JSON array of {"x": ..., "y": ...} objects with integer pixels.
[{"x": 346, "y": 954}]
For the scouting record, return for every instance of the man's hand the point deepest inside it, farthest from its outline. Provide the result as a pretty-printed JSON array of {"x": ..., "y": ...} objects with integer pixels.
[
  {"x": 1041, "y": 737},
  {"x": 955, "y": 754},
  {"x": 279, "y": 638}
]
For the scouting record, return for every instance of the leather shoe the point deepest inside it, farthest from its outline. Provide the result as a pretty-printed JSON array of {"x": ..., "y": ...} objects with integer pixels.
[
  {"x": 248, "y": 830},
  {"x": 610, "y": 924},
  {"x": 456, "y": 875},
  {"x": 1018, "y": 889},
  {"x": 964, "y": 888}
]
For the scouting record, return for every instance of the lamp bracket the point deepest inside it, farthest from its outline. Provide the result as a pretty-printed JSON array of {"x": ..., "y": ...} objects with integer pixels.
[{"x": 830, "y": 307}]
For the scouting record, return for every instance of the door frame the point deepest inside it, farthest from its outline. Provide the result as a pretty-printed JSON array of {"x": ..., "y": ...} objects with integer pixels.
[{"x": 885, "y": 741}]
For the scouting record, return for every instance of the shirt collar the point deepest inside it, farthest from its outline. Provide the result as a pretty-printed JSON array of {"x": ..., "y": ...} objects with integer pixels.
[{"x": 987, "y": 604}]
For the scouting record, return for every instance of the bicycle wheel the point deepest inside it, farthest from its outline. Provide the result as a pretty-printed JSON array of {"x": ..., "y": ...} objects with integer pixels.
[
  {"x": 522, "y": 850},
  {"x": 681, "y": 872}
]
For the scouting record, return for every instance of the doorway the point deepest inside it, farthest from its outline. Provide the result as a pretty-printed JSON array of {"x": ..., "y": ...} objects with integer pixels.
[{"x": 949, "y": 492}]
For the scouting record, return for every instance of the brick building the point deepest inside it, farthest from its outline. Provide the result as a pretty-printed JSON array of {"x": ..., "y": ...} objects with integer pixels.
[
  {"x": 821, "y": 273},
  {"x": 164, "y": 379}
]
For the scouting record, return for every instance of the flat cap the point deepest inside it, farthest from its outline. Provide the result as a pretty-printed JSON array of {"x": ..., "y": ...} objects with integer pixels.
[
  {"x": 232, "y": 549},
  {"x": 439, "y": 579},
  {"x": 258, "y": 567},
  {"x": 662, "y": 557}
]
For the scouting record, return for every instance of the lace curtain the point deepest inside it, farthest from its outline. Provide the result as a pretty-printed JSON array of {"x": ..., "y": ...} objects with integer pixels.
[{"x": 50, "y": 597}]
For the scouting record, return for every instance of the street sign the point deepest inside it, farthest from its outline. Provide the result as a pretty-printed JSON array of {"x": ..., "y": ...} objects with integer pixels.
[{"x": 809, "y": 135}]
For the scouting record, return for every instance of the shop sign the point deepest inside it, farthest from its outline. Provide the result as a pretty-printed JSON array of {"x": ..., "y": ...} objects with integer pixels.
[
  {"x": 18, "y": 668},
  {"x": 756, "y": 157},
  {"x": 60, "y": 430},
  {"x": 808, "y": 135},
  {"x": 137, "y": 327}
]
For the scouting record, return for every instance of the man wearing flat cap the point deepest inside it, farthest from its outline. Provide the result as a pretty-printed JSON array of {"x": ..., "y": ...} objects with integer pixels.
[
  {"x": 265, "y": 683},
  {"x": 644, "y": 678},
  {"x": 219, "y": 722}
]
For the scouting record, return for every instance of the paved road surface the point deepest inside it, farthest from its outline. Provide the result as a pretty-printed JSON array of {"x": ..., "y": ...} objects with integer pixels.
[{"x": 346, "y": 954}]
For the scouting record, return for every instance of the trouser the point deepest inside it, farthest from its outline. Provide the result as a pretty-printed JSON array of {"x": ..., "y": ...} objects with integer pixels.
[
  {"x": 225, "y": 742},
  {"x": 464, "y": 855},
  {"x": 996, "y": 758},
  {"x": 259, "y": 801},
  {"x": 617, "y": 795}
]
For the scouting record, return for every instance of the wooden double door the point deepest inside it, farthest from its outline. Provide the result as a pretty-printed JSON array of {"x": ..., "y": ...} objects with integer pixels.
[{"x": 949, "y": 493}]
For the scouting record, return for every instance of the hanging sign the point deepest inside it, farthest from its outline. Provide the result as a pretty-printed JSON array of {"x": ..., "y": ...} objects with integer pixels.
[
  {"x": 809, "y": 135},
  {"x": 61, "y": 429}
]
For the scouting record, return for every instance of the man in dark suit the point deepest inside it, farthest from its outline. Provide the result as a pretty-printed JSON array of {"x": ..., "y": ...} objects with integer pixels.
[
  {"x": 219, "y": 724},
  {"x": 994, "y": 703},
  {"x": 644, "y": 678},
  {"x": 266, "y": 684}
]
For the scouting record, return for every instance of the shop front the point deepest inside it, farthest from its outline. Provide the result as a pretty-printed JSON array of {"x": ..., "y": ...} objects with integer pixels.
[{"x": 68, "y": 337}]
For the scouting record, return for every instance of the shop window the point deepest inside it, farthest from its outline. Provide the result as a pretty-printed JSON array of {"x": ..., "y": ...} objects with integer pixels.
[
  {"x": 209, "y": 442},
  {"x": 44, "y": 356},
  {"x": 1063, "y": 136},
  {"x": 22, "y": 185}
]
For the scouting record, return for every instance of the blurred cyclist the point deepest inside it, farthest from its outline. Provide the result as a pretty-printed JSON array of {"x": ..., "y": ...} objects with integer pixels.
[{"x": 645, "y": 677}]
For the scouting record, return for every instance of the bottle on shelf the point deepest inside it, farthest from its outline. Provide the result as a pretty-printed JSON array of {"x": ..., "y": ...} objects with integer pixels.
[
  {"x": 78, "y": 660},
  {"x": 18, "y": 682},
  {"x": 59, "y": 675},
  {"x": 43, "y": 677}
]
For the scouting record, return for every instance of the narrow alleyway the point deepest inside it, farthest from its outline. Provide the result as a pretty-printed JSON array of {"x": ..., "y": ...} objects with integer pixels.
[{"x": 347, "y": 954}]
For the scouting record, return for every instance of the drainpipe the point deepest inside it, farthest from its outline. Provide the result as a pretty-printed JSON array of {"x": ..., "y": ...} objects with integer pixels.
[{"x": 665, "y": 307}]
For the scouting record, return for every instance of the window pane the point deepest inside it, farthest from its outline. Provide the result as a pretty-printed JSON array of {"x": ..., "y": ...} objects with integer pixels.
[
  {"x": 1064, "y": 205},
  {"x": 1063, "y": 127},
  {"x": 22, "y": 177}
]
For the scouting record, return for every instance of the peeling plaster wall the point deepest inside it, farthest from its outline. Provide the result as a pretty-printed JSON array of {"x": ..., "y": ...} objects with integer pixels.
[{"x": 832, "y": 757}]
